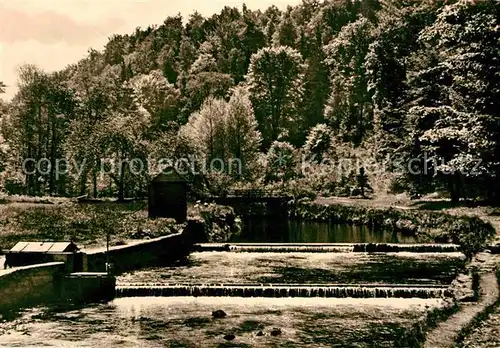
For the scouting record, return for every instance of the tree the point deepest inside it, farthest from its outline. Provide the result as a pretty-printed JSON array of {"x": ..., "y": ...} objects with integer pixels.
[
  {"x": 96, "y": 87},
  {"x": 286, "y": 33},
  {"x": 455, "y": 122},
  {"x": 204, "y": 85},
  {"x": 252, "y": 38},
  {"x": 275, "y": 82},
  {"x": 159, "y": 97},
  {"x": 194, "y": 28},
  {"x": 241, "y": 129},
  {"x": 36, "y": 129},
  {"x": 281, "y": 161},
  {"x": 187, "y": 54},
  {"x": 120, "y": 138},
  {"x": 271, "y": 18},
  {"x": 205, "y": 61},
  {"x": 349, "y": 110},
  {"x": 206, "y": 130},
  {"x": 25, "y": 132}
]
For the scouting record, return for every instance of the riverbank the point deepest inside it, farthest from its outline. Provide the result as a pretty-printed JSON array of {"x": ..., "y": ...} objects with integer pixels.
[
  {"x": 486, "y": 212},
  {"x": 472, "y": 232}
]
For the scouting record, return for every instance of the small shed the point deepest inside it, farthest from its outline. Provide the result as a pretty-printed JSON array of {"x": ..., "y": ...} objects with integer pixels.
[
  {"x": 168, "y": 196},
  {"x": 28, "y": 253}
]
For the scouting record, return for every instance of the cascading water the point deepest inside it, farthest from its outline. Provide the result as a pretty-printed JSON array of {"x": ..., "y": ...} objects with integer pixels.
[
  {"x": 299, "y": 255},
  {"x": 329, "y": 248},
  {"x": 291, "y": 290}
]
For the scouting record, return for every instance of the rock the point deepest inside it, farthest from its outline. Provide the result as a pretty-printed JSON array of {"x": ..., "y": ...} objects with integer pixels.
[
  {"x": 466, "y": 296},
  {"x": 260, "y": 333},
  {"x": 229, "y": 337},
  {"x": 482, "y": 257},
  {"x": 464, "y": 278},
  {"x": 219, "y": 314},
  {"x": 462, "y": 288},
  {"x": 276, "y": 332}
]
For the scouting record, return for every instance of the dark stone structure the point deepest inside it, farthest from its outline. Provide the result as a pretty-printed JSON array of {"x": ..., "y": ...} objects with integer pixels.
[{"x": 168, "y": 196}]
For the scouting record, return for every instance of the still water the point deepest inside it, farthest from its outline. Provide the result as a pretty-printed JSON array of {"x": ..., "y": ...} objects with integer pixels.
[{"x": 288, "y": 231}]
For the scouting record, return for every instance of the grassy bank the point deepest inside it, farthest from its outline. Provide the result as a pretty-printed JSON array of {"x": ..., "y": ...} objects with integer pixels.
[
  {"x": 39, "y": 219},
  {"x": 470, "y": 232}
]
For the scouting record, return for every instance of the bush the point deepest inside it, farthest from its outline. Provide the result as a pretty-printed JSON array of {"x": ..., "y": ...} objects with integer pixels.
[
  {"x": 281, "y": 161},
  {"x": 221, "y": 223}
]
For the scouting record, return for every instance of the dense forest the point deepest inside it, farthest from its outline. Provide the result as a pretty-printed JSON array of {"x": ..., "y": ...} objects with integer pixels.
[{"x": 340, "y": 97}]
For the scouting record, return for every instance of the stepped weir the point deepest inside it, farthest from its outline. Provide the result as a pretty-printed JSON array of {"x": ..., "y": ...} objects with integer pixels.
[
  {"x": 212, "y": 288},
  {"x": 281, "y": 290},
  {"x": 328, "y": 247}
]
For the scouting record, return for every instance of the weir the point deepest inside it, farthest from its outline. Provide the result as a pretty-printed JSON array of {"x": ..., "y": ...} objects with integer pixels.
[
  {"x": 328, "y": 247},
  {"x": 289, "y": 290}
]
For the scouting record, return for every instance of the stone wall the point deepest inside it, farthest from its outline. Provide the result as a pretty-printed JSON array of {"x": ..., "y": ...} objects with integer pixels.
[
  {"x": 29, "y": 285},
  {"x": 154, "y": 252},
  {"x": 88, "y": 287},
  {"x": 54, "y": 281}
]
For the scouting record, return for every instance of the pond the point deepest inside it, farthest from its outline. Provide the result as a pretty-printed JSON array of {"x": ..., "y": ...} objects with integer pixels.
[{"x": 264, "y": 230}]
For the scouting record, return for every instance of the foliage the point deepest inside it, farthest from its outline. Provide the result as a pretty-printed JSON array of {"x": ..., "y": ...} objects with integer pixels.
[
  {"x": 220, "y": 221},
  {"x": 206, "y": 129},
  {"x": 281, "y": 161},
  {"x": 455, "y": 122},
  {"x": 319, "y": 142},
  {"x": 413, "y": 80},
  {"x": 86, "y": 224},
  {"x": 349, "y": 110},
  {"x": 157, "y": 96},
  {"x": 225, "y": 134},
  {"x": 275, "y": 81},
  {"x": 244, "y": 139}
]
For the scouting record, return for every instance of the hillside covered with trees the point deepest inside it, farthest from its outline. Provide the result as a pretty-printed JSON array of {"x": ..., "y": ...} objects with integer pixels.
[{"x": 408, "y": 90}]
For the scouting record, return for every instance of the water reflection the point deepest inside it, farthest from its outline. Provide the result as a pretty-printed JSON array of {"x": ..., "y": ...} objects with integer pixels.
[{"x": 288, "y": 231}]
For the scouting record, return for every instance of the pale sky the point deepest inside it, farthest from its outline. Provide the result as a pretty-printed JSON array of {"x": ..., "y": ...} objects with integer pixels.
[{"x": 54, "y": 33}]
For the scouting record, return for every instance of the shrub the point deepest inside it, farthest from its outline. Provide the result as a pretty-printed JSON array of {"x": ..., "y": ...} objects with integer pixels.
[
  {"x": 220, "y": 221},
  {"x": 281, "y": 161}
]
